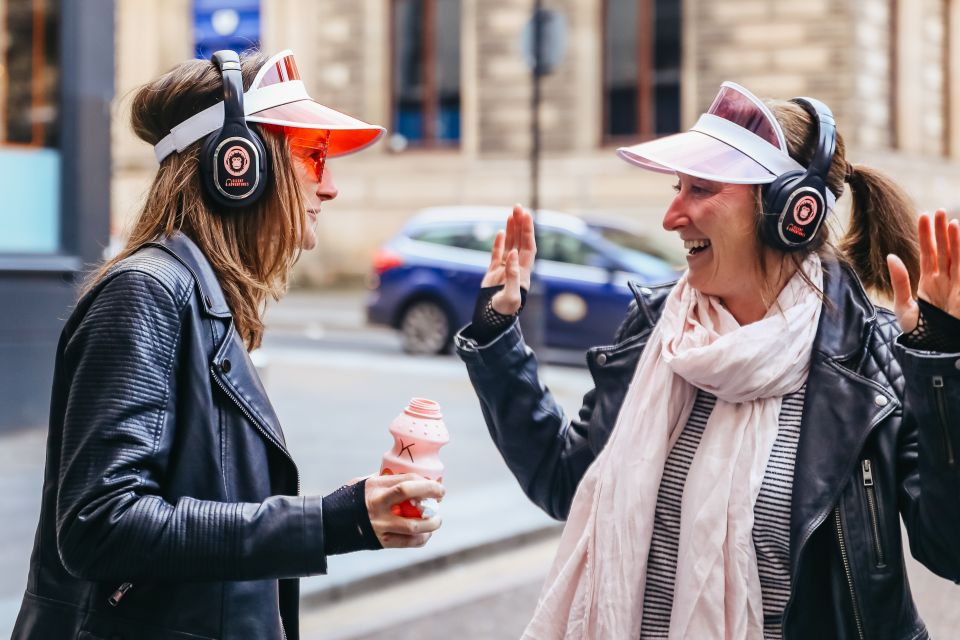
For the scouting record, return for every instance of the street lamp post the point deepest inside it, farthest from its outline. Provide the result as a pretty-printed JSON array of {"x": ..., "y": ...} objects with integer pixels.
[{"x": 532, "y": 320}]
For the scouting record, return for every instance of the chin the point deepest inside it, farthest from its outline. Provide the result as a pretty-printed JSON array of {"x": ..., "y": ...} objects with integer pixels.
[{"x": 309, "y": 242}]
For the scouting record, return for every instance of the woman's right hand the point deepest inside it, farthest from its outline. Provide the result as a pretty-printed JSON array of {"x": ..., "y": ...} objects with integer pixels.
[
  {"x": 511, "y": 262},
  {"x": 393, "y": 531}
]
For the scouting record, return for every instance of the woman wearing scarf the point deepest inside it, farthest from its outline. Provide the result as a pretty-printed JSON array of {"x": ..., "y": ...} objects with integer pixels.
[{"x": 757, "y": 429}]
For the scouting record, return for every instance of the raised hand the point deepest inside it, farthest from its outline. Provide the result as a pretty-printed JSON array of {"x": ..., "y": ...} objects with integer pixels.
[
  {"x": 939, "y": 271},
  {"x": 511, "y": 261}
]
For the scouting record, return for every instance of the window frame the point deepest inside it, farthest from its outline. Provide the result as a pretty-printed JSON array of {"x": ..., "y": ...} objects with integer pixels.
[
  {"x": 85, "y": 90},
  {"x": 37, "y": 73},
  {"x": 646, "y": 43},
  {"x": 431, "y": 102}
]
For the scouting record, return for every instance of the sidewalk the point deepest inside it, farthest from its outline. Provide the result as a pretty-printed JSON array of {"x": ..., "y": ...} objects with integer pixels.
[
  {"x": 482, "y": 519},
  {"x": 485, "y": 509}
]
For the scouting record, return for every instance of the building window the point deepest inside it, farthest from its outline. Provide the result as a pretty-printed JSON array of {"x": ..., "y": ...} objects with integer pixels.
[
  {"x": 425, "y": 108},
  {"x": 641, "y": 62},
  {"x": 29, "y": 125},
  {"x": 225, "y": 24}
]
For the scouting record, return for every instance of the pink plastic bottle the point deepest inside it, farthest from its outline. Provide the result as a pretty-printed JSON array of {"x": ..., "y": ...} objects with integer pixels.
[{"x": 418, "y": 433}]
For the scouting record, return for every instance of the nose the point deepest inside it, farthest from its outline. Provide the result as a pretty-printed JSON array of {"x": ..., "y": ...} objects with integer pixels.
[
  {"x": 327, "y": 188},
  {"x": 675, "y": 218}
]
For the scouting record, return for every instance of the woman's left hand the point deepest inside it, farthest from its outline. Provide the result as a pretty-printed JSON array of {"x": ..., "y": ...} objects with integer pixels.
[{"x": 939, "y": 271}]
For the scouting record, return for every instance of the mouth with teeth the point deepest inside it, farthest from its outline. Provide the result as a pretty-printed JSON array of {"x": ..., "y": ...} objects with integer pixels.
[{"x": 694, "y": 247}]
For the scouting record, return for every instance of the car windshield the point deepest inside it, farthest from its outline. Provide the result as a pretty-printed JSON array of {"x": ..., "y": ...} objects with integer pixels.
[{"x": 476, "y": 236}]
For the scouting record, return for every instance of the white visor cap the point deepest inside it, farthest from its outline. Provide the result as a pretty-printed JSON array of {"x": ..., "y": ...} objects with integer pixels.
[
  {"x": 278, "y": 97},
  {"x": 737, "y": 141}
]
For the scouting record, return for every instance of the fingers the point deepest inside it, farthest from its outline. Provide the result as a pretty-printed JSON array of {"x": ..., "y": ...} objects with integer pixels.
[
  {"x": 528, "y": 240},
  {"x": 496, "y": 254},
  {"x": 903, "y": 303},
  {"x": 396, "y": 541},
  {"x": 415, "y": 488},
  {"x": 383, "y": 492},
  {"x": 953, "y": 236},
  {"x": 943, "y": 245},
  {"x": 398, "y": 532},
  {"x": 900, "y": 279},
  {"x": 928, "y": 249},
  {"x": 507, "y": 300},
  {"x": 511, "y": 239}
]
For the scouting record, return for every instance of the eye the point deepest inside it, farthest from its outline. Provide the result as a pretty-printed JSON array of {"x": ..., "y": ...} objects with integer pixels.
[{"x": 676, "y": 187}]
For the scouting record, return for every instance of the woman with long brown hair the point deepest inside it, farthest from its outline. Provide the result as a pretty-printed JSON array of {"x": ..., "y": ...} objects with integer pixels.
[
  {"x": 759, "y": 427},
  {"x": 171, "y": 504}
]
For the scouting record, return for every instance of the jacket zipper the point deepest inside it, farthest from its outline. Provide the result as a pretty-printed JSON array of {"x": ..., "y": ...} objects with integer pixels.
[
  {"x": 939, "y": 395},
  {"x": 257, "y": 425},
  {"x": 283, "y": 627},
  {"x": 866, "y": 469},
  {"x": 117, "y": 595},
  {"x": 849, "y": 573}
]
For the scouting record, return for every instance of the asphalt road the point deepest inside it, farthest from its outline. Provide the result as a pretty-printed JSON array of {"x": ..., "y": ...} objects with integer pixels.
[
  {"x": 336, "y": 385},
  {"x": 335, "y": 395}
]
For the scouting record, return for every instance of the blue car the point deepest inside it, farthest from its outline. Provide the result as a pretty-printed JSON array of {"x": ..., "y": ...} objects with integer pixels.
[{"x": 425, "y": 280}]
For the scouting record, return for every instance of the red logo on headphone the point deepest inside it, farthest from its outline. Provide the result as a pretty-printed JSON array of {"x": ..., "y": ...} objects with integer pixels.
[
  {"x": 236, "y": 160},
  {"x": 805, "y": 210}
]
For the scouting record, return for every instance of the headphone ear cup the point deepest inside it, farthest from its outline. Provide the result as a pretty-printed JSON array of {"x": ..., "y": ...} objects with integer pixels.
[
  {"x": 794, "y": 206},
  {"x": 233, "y": 166}
]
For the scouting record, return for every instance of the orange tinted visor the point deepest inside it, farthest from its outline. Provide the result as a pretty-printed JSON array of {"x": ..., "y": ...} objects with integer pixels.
[{"x": 307, "y": 122}]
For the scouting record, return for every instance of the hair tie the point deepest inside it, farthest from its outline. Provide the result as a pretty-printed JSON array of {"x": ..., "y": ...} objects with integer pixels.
[{"x": 848, "y": 176}]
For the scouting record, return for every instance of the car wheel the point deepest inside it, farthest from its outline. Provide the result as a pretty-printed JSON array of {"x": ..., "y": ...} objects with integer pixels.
[{"x": 425, "y": 328}]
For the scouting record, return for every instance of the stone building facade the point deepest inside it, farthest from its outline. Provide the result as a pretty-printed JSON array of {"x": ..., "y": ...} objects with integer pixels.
[{"x": 890, "y": 69}]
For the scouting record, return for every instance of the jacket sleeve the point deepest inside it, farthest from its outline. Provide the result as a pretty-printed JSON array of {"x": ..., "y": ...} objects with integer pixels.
[
  {"x": 118, "y": 426},
  {"x": 547, "y": 451},
  {"x": 929, "y": 458}
]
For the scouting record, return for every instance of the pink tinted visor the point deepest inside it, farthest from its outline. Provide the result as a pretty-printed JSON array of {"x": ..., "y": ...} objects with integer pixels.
[
  {"x": 737, "y": 141},
  {"x": 278, "y": 98}
]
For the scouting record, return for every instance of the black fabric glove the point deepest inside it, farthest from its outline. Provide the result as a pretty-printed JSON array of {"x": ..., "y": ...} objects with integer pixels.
[
  {"x": 936, "y": 330},
  {"x": 346, "y": 522},
  {"x": 487, "y": 322}
]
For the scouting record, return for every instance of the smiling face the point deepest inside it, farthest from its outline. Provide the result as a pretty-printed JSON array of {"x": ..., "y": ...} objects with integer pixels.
[
  {"x": 315, "y": 192},
  {"x": 717, "y": 222}
]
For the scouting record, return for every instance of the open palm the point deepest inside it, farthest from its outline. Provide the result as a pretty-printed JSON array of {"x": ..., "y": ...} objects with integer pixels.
[
  {"x": 511, "y": 261},
  {"x": 939, "y": 271}
]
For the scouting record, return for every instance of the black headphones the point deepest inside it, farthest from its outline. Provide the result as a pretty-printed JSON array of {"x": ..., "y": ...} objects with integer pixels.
[
  {"x": 233, "y": 161},
  {"x": 795, "y": 204}
]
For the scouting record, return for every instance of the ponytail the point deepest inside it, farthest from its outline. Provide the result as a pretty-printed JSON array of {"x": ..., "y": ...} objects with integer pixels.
[
  {"x": 882, "y": 222},
  {"x": 882, "y": 219}
]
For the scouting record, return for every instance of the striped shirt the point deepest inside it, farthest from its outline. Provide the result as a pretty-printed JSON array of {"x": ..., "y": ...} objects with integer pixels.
[{"x": 771, "y": 528}]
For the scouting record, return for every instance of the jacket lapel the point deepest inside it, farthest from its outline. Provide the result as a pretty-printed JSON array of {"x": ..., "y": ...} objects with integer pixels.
[
  {"x": 238, "y": 376},
  {"x": 231, "y": 366},
  {"x": 841, "y": 407}
]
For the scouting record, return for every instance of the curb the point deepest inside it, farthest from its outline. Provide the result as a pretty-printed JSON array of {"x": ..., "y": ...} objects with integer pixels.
[{"x": 335, "y": 593}]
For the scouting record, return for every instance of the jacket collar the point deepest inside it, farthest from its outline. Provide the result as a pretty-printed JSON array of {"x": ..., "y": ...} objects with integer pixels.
[
  {"x": 181, "y": 247},
  {"x": 231, "y": 364}
]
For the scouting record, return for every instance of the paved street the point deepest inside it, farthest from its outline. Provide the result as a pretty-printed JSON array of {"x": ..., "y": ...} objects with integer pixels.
[{"x": 336, "y": 385}]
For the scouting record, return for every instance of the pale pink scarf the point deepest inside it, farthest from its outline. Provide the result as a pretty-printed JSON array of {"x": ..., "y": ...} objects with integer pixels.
[{"x": 594, "y": 590}]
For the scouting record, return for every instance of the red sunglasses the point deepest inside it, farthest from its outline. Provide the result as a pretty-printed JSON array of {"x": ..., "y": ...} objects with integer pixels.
[{"x": 313, "y": 157}]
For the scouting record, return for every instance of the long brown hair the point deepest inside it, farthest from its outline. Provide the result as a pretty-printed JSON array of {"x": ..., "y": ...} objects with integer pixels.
[
  {"x": 882, "y": 217},
  {"x": 251, "y": 250}
]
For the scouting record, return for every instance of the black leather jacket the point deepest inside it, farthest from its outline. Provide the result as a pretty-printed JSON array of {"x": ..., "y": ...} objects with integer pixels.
[
  {"x": 166, "y": 470},
  {"x": 879, "y": 441}
]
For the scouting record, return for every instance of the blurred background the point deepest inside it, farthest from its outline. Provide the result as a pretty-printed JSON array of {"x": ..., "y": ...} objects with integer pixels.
[{"x": 476, "y": 122}]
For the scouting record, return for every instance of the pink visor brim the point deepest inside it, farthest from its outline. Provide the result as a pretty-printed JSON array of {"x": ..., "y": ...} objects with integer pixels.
[
  {"x": 306, "y": 123},
  {"x": 697, "y": 154}
]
